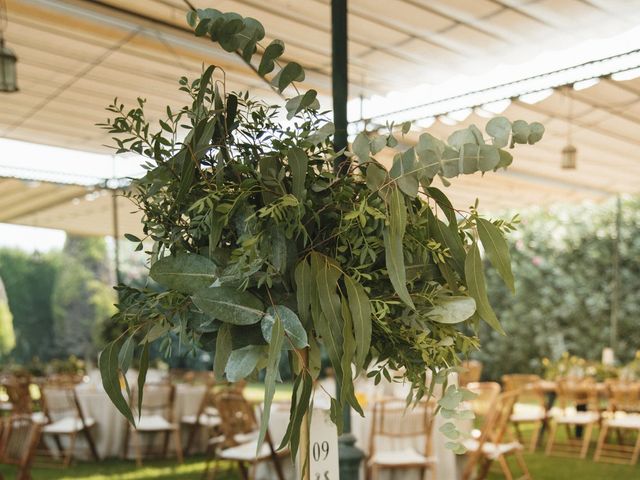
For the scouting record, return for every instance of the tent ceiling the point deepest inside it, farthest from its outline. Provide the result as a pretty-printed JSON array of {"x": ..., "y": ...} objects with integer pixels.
[
  {"x": 76, "y": 209},
  {"x": 76, "y": 55}
]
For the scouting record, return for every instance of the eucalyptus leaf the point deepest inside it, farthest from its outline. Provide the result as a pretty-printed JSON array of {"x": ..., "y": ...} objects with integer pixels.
[
  {"x": 292, "y": 72},
  {"x": 271, "y": 53},
  {"x": 142, "y": 375},
  {"x": 294, "y": 331},
  {"x": 275, "y": 347},
  {"x": 405, "y": 172},
  {"x": 452, "y": 310},
  {"x": 477, "y": 288},
  {"x": 298, "y": 103},
  {"x": 110, "y": 373},
  {"x": 499, "y": 129},
  {"x": 230, "y": 305},
  {"x": 224, "y": 346},
  {"x": 242, "y": 362},
  {"x": 125, "y": 357},
  {"x": 298, "y": 162},
  {"x": 185, "y": 272},
  {"x": 360, "y": 309},
  {"x": 394, "y": 254},
  {"x": 497, "y": 250}
]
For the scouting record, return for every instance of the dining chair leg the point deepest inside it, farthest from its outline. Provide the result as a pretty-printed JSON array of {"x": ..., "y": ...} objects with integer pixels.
[
  {"x": 483, "y": 471},
  {"x": 178, "y": 442},
  {"x": 551, "y": 439},
  {"x": 535, "y": 436},
  {"x": 586, "y": 440},
  {"x": 69, "y": 453},
  {"x": 195, "y": 428},
  {"x": 136, "y": 441},
  {"x": 92, "y": 444},
  {"x": 601, "y": 439},
  {"x": 636, "y": 450},
  {"x": 504, "y": 466},
  {"x": 516, "y": 427},
  {"x": 58, "y": 442},
  {"x": 374, "y": 472},
  {"x": 523, "y": 465},
  {"x": 165, "y": 443},
  {"x": 125, "y": 446},
  {"x": 243, "y": 470}
]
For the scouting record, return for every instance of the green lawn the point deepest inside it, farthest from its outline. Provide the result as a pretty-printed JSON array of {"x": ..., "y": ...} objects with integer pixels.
[{"x": 542, "y": 468}]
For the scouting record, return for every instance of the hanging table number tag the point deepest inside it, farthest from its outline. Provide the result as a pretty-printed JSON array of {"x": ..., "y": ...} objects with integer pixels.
[{"x": 323, "y": 447}]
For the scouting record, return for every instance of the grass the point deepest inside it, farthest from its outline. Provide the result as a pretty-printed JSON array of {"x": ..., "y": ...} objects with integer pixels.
[{"x": 541, "y": 467}]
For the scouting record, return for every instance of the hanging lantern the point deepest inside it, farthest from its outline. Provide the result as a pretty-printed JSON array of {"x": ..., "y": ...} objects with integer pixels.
[
  {"x": 8, "y": 74},
  {"x": 569, "y": 157}
]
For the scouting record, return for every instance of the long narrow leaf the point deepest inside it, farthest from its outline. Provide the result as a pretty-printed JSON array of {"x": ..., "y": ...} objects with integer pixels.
[
  {"x": 477, "y": 288},
  {"x": 142, "y": 375},
  {"x": 361, "y": 315},
  {"x": 497, "y": 250},
  {"x": 275, "y": 347},
  {"x": 110, "y": 373}
]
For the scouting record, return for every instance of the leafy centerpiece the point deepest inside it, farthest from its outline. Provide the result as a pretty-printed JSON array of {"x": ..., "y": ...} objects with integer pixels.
[{"x": 265, "y": 250}]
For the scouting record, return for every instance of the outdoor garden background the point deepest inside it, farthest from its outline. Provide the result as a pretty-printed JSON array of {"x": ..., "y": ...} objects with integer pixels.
[{"x": 60, "y": 301}]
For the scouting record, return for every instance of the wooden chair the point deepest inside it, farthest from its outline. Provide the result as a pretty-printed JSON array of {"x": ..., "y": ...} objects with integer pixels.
[
  {"x": 491, "y": 445},
  {"x": 17, "y": 390},
  {"x": 206, "y": 417},
  {"x": 238, "y": 444},
  {"x": 470, "y": 372},
  {"x": 19, "y": 437},
  {"x": 530, "y": 409},
  {"x": 407, "y": 427},
  {"x": 156, "y": 416},
  {"x": 623, "y": 417},
  {"x": 573, "y": 394},
  {"x": 486, "y": 394},
  {"x": 64, "y": 418}
]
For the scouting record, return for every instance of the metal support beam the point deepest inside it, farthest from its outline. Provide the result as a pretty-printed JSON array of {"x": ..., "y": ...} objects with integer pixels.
[
  {"x": 350, "y": 456},
  {"x": 339, "y": 80}
]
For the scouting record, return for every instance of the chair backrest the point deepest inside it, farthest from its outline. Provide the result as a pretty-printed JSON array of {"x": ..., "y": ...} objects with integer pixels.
[
  {"x": 624, "y": 396},
  {"x": 515, "y": 381},
  {"x": 393, "y": 420},
  {"x": 19, "y": 439},
  {"x": 64, "y": 379},
  {"x": 471, "y": 370},
  {"x": 529, "y": 386},
  {"x": 59, "y": 401},
  {"x": 494, "y": 428},
  {"x": 157, "y": 399},
  {"x": 17, "y": 389},
  {"x": 194, "y": 377},
  {"x": 486, "y": 394},
  {"x": 572, "y": 392},
  {"x": 236, "y": 413}
]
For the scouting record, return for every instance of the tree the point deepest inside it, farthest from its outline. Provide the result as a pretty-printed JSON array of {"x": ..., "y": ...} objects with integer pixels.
[
  {"x": 82, "y": 296},
  {"x": 29, "y": 282},
  {"x": 7, "y": 335},
  {"x": 562, "y": 263}
]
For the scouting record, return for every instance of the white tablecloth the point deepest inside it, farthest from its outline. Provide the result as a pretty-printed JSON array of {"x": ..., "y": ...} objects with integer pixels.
[
  {"x": 448, "y": 464},
  {"x": 110, "y": 428}
]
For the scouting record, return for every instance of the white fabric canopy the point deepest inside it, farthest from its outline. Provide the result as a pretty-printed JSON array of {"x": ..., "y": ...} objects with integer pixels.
[{"x": 75, "y": 56}]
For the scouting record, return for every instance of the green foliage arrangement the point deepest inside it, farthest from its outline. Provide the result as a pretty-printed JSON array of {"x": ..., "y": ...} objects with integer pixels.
[
  {"x": 564, "y": 254},
  {"x": 266, "y": 250}
]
